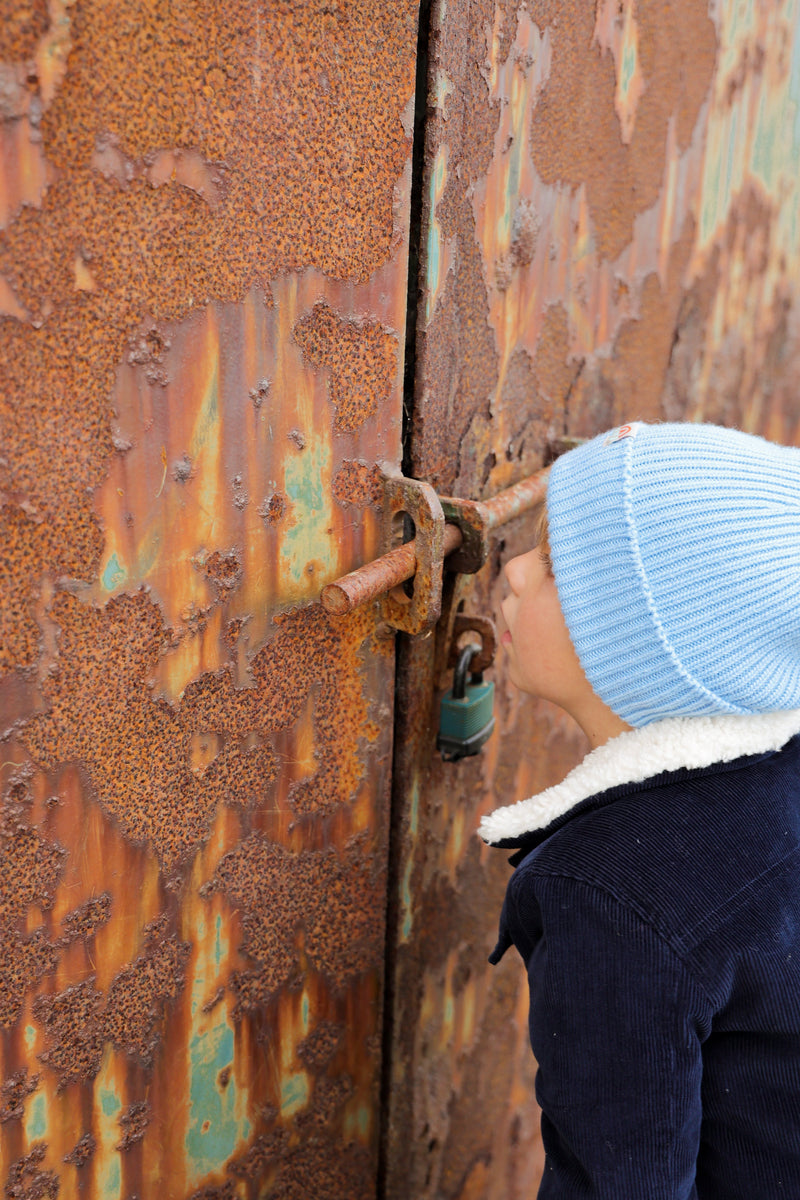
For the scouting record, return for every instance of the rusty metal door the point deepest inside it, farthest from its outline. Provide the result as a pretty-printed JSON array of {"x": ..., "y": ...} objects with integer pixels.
[
  {"x": 609, "y": 233},
  {"x": 203, "y": 263},
  {"x": 204, "y": 243}
]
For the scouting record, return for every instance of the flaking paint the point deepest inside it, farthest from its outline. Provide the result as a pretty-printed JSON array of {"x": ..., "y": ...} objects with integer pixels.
[
  {"x": 195, "y": 192},
  {"x": 620, "y": 209}
]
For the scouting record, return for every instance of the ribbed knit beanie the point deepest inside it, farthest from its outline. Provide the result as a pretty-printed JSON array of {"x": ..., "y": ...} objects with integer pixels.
[{"x": 676, "y": 555}]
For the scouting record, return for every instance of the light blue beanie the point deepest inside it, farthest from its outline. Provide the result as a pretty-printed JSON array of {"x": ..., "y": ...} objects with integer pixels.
[{"x": 676, "y": 554}]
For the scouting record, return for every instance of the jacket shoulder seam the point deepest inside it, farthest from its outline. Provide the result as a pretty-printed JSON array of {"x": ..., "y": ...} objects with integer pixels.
[{"x": 627, "y": 903}]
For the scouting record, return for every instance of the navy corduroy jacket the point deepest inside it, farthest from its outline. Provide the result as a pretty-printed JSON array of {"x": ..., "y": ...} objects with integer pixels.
[{"x": 659, "y": 923}]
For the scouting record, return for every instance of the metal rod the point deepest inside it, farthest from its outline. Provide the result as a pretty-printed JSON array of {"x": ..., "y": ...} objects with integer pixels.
[
  {"x": 515, "y": 500},
  {"x": 379, "y": 576},
  {"x": 396, "y": 566}
]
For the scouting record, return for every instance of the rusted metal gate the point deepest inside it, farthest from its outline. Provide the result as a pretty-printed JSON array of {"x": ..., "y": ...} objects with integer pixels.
[
  {"x": 205, "y": 213},
  {"x": 610, "y": 233}
]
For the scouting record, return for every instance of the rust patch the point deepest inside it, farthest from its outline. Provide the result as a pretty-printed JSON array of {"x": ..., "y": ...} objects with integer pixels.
[
  {"x": 23, "y": 962},
  {"x": 84, "y": 921},
  {"x": 575, "y": 132},
  {"x": 320, "y": 1045},
  {"x": 266, "y": 1149},
  {"x": 315, "y": 196},
  {"x": 361, "y": 358},
  {"x": 225, "y": 1192},
  {"x": 133, "y": 1122},
  {"x": 308, "y": 650},
  {"x": 323, "y": 161},
  {"x": 358, "y": 483},
  {"x": 330, "y": 897},
  {"x": 73, "y": 1023},
  {"x": 329, "y": 1096},
  {"x": 82, "y": 1151},
  {"x": 27, "y": 1182},
  {"x": 629, "y": 384},
  {"x": 13, "y": 1093},
  {"x": 20, "y": 541},
  {"x": 224, "y": 570},
  {"x": 325, "y": 1168},
  {"x": 274, "y": 508},
  {"x": 30, "y": 869},
  {"x": 137, "y": 996},
  {"x": 22, "y": 24},
  {"x": 79, "y": 1020},
  {"x": 260, "y": 392},
  {"x": 108, "y": 721}
]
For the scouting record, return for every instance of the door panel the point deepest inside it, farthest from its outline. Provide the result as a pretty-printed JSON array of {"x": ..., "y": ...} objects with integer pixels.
[
  {"x": 608, "y": 234},
  {"x": 203, "y": 280}
]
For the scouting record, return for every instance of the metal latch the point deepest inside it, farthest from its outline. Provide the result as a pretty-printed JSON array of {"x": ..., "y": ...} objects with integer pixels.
[{"x": 445, "y": 528}]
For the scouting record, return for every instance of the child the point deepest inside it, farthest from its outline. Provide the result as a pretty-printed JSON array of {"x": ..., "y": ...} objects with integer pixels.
[{"x": 656, "y": 896}]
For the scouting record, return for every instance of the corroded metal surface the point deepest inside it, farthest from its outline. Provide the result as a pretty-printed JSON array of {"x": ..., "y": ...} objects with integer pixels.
[
  {"x": 202, "y": 286},
  {"x": 609, "y": 233},
  {"x": 465, "y": 535}
]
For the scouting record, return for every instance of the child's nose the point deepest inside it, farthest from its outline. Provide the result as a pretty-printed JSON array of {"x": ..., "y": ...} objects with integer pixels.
[{"x": 512, "y": 572}]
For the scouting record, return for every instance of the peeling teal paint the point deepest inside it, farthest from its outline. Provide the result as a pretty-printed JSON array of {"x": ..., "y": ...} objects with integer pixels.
[
  {"x": 214, "y": 1130},
  {"x": 36, "y": 1120},
  {"x": 113, "y": 574},
  {"x": 434, "y": 243},
  {"x": 308, "y": 540},
  {"x": 112, "y": 1184},
  {"x": 109, "y": 1102},
  {"x": 30, "y": 1037},
  {"x": 305, "y": 1012},
  {"x": 109, "y": 1171},
  {"x": 294, "y": 1094},
  {"x": 218, "y": 948},
  {"x": 628, "y": 69}
]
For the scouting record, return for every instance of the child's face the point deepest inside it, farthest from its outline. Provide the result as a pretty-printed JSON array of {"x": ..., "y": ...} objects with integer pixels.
[{"x": 542, "y": 659}]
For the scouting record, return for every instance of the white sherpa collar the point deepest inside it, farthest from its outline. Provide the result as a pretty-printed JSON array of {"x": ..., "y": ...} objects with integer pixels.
[{"x": 632, "y": 757}]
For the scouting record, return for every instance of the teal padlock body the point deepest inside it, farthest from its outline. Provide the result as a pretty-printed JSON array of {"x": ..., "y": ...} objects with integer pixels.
[{"x": 466, "y": 723}]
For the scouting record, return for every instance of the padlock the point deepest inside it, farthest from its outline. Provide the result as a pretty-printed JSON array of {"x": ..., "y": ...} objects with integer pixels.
[{"x": 466, "y": 719}]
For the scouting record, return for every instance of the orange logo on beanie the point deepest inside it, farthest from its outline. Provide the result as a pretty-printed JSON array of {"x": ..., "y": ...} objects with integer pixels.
[{"x": 619, "y": 435}]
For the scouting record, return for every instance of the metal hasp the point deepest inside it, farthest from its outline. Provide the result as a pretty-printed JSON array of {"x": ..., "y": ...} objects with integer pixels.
[{"x": 445, "y": 528}]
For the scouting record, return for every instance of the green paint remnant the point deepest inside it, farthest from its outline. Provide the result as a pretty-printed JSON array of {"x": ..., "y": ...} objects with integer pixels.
[
  {"x": 113, "y": 574},
  {"x": 442, "y": 87},
  {"x": 214, "y": 1130},
  {"x": 357, "y": 1123},
  {"x": 108, "y": 1105},
  {"x": 449, "y": 1013},
  {"x": 110, "y": 1102},
  {"x": 405, "y": 890},
  {"x": 112, "y": 1183},
  {"x": 305, "y": 1011},
  {"x": 294, "y": 1094},
  {"x": 405, "y": 886},
  {"x": 220, "y": 944},
  {"x": 628, "y": 68},
  {"x": 30, "y": 1036},
  {"x": 36, "y": 1121},
  {"x": 306, "y": 479},
  {"x": 434, "y": 265}
]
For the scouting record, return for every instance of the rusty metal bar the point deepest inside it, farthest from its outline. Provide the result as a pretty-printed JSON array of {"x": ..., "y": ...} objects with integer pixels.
[
  {"x": 515, "y": 500},
  {"x": 379, "y": 576},
  {"x": 396, "y": 566}
]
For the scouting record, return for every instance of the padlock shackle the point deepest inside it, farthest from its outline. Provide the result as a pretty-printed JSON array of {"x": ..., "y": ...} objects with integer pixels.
[{"x": 462, "y": 666}]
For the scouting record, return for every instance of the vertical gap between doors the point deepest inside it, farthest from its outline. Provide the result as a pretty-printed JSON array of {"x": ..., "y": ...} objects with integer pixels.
[{"x": 409, "y": 383}]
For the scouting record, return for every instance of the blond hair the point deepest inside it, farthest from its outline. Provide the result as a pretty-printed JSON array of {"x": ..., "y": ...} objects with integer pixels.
[{"x": 541, "y": 538}]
